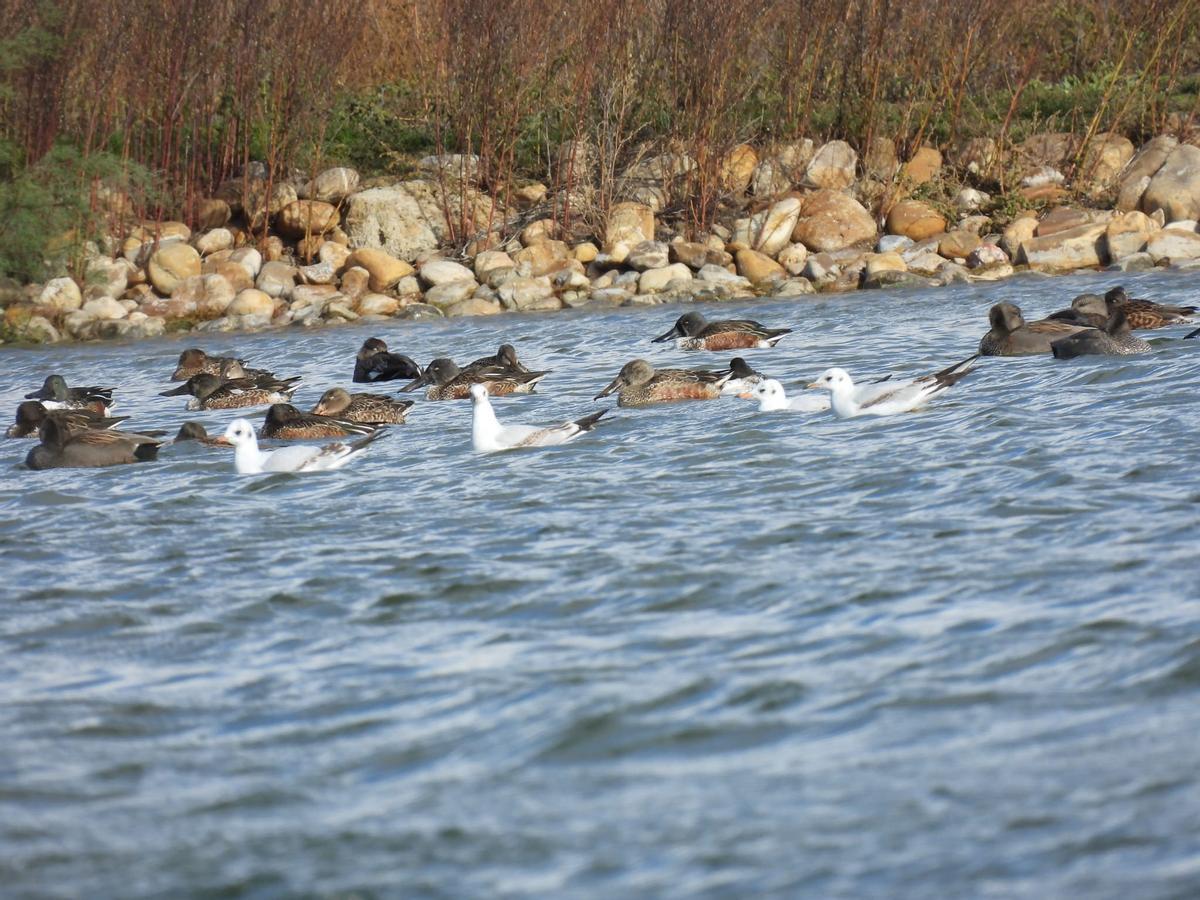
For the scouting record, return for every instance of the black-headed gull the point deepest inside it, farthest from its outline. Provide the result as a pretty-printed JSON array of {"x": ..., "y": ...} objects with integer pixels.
[
  {"x": 886, "y": 398},
  {"x": 771, "y": 397},
  {"x": 488, "y": 435},
  {"x": 248, "y": 459}
]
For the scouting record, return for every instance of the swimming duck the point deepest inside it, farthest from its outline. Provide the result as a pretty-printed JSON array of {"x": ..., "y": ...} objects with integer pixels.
[
  {"x": 195, "y": 361},
  {"x": 1115, "y": 339},
  {"x": 31, "y": 414},
  {"x": 742, "y": 378},
  {"x": 888, "y": 397},
  {"x": 88, "y": 448},
  {"x": 375, "y": 363},
  {"x": 692, "y": 332},
  {"x": 1011, "y": 335},
  {"x": 1086, "y": 311},
  {"x": 448, "y": 382},
  {"x": 487, "y": 434},
  {"x": 639, "y": 384},
  {"x": 55, "y": 394},
  {"x": 373, "y": 409},
  {"x": 771, "y": 397},
  {"x": 214, "y": 392},
  {"x": 284, "y": 422},
  {"x": 1146, "y": 314},
  {"x": 248, "y": 459},
  {"x": 194, "y": 431},
  {"x": 505, "y": 357}
]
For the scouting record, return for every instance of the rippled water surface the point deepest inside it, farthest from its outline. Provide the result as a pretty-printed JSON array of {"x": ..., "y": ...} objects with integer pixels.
[{"x": 701, "y": 652}]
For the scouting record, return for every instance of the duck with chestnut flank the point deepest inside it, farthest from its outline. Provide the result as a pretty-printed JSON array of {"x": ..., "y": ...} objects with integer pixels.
[
  {"x": 448, "y": 382},
  {"x": 195, "y": 361},
  {"x": 640, "y": 384},
  {"x": 55, "y": 394},
  {"x": 504, "y": 358},
  {"x": 284, "y": 422},
  {"x": 692, "y": 332}
]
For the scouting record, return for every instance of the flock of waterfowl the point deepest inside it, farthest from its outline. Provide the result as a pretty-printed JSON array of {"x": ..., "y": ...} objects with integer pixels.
[{"x": 75, "y": 429}]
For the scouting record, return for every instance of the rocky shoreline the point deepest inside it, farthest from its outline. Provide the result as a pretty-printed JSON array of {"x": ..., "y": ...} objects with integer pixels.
[{"x": 795, "y": 219}]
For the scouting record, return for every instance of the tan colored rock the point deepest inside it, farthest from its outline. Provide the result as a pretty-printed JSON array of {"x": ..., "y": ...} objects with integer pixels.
[
  {"x": 979, "y": 156},
  {"x": 212, "y": 213},
  {"x": 473, "y": 306},
  {"x": 830, "y": 220},
  {"x": 105, "y": 308},
  {"x": 529, "y": 195},
  {"x": 239, "y": 279},
  {"x": 435, "y": 271},
  {"x": 333, "y": 254},
  {"x": 529, "y": 294},
  {"x": 1060, "y": 219},
  {"x": 585, "y": 252},
  {"x": 880, "y": 160},
  {"x": 1135, "y": 177},
  {"x": 915, "y": 219},
  {"x": 771, "y": 229},
  {"x": 207, "y": 296},
  {"x": 108, "y": 277},
  {"x": 652, "y": 281},
  {"x": 450, "y": 292},
  {"x": 958, "y": 244},
  {"x": 1173, "y": 245},
  {"x": 1128, "y": 233},
  {"x": 61, "y": 294},
  {"x": 171, "y": 264},
  {"x": 793, "y": 258},
  {"x": 272, "y": 248},
  {"x": 877, "y": 263},
  {"x": 771, "y": 178},
  {"x": 541, "y": 258},
  {"x": 737, "y": 168},
  {"x": 832, "y": 167},
  {"x": 385, "y": 270},
  {"x": 262, "y": 206},
  {"x": 1106, "y": 157},
  {"x": 371, "y": 304},
  {"x": 213, "y": 241},
  {"x": 249, "y": 259},
  {"x": 1175, "y": 187},
  {"x": 1018, "y": 232},
  {"x": 355, "y": 282},
  {"x": 492, "y": 259},
  {"x": 1076, "y": 248},
  {"x": 251, "y": 302},
  {"x": 629, "y": 223},
  {"x": 276, "y": 278},
  {"x": 540, "y": 230},
  {"x": 302, "y": 218},
  {"x": 332, "y": 185},
  {"x": 925, "y": 165},
  {"x": 758, "y": 267}
]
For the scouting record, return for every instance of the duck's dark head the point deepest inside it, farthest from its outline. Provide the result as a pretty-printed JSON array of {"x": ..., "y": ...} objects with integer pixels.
[
  {"x": 53, "y": 388},
  {"x": 1005, "y": 317},
  {"x": 332, "y": 402},
  {"x": 371, "y": 346},
  {"x": 281, "y": 414},
  {"x": 687, "y": 325},
  {"x": 507, "y": 356},
  {"x": 633, "y": 373},
  {"x": 30, "y": 415}
]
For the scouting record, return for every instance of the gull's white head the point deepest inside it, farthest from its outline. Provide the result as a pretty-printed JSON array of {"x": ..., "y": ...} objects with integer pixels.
[
  {"x": 833, "y": 380},
  {"x": 240, "y": 432},
  {"x": 478, "y": 392},
  {"x": 770, "y": 395}
]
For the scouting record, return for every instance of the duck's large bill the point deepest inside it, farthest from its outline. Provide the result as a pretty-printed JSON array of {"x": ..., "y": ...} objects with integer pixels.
[
  {"x": 612, "y": 386},
  {"x": 673, "y": 333},
  {"x": 175, "y": 392},
  {"x": 420, "y": 381}
]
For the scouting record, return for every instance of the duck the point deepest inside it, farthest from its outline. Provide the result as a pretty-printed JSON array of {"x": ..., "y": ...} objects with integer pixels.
[
  {"x": 89, "y": 448},
  {"x": 771, "y": 397},
  {"x": 248, "y": 459},
  {"x": 448, "y": 382},
  {"x": 373, "y": 409},
  {"x": 1115, "y": 339},
  {"x": 505, "y": 357},
  {"x": 31, "y": 414},
  {"x": 195, "y": 361},
  {"x": 215, "y": 392},
  {"x": 284, "y": 422},
  {"x": 1086, "y": 311},
  {"x": 888, "y": 397},
  {"x": 692, "y": 332},
  {"x": 375, "y": 363},
  {"x": 1146, "y": 314},
  {"x": 55, "y": 394},
  {"x": 639, "y": 384},
  {"x": 1011, "y": 335},
  {"x": 194, "y": 431},
  {"x": 488, "y": 435},
  {"x": 742, "y": 378}
]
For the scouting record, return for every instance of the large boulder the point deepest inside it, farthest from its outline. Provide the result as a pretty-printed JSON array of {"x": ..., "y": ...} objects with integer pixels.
[
  {"x": 302, "y": 218},
  {"x": 1175, "y": 187},
  {"x": 915, "y": 219},
  {"x": 410, "y": 218},
  {"x": 757, "y": 267},
  {"x": 1107, "y": 155},
  {"x": 251, "y": 302},
  {"x": 1136, "y": 175},
  {"x": 629, "y": 223},
  {"x": 171, "y": 264},
  {"x": 1127, "y": 234},
  {"x": 207, "y": 296},
  {"x": 771, "y": 230},
  {"x": 833, "y": 167},
  {"x": 435, "y": 271},
  {"x": 332, "y": 185},
  {"x": 830, "y": 220},
  {"x": 1076, "y": 248},
  {"x": 924, "y": 166},
  {"x": 383, "y": 268},
  {"x": 1172, "y": 245},
  {"x": 61, "y": 295},
  {"x": 737, "y": 168}
]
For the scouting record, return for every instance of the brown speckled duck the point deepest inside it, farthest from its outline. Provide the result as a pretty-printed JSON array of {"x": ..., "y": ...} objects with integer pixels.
[
  {"x": 373, "y": 409},
  {"x": 448, "y": 382},
  {"x": 692, "y": 332},
  {"x": 640, "y": 384},
  {"x": 284, "y": 422}
]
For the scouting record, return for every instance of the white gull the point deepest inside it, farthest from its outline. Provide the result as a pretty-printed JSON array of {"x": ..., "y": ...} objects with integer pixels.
[
  {"x": 248, "y": 459},
  {"x": 488, "y": 435},
  {"x": 886, "y": 398},
  {"x": 771, "y": 398}
]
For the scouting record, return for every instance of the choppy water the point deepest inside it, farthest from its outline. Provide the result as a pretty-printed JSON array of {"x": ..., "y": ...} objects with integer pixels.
[{"x": 703, "y": 652}]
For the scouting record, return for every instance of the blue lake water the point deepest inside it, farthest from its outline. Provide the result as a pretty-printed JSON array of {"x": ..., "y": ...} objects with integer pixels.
[{"x": 701, "y": 652}]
